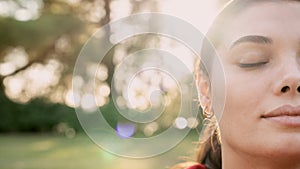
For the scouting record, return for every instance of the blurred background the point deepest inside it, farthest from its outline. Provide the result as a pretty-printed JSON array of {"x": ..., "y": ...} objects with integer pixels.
[{"x": 40, "y": 41}]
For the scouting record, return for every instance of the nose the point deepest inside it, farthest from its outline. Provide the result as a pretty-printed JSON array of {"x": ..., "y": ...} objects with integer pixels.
[
  {"x": 290, "y": 87},
  {"x": 289, "y": 80}
]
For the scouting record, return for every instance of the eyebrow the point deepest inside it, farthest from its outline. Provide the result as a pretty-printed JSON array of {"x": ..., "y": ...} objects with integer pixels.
[{"x": 252, "y": 39}]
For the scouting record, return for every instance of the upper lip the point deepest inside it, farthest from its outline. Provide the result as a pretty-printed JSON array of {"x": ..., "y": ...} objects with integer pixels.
[{"x": 286, "y": 110}]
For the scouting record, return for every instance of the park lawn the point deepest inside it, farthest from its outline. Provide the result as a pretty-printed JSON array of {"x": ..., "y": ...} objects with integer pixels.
[
  {"x": 28, "y": 151},
  {"x": 49, "y": 151}
]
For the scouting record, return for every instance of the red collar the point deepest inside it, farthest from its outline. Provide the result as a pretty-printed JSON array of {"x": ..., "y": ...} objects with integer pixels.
[{"x": 197, "y": 166}]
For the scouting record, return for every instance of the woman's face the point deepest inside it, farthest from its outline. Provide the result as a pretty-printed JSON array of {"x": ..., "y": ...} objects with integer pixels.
[{"x": 260, "y": 54}]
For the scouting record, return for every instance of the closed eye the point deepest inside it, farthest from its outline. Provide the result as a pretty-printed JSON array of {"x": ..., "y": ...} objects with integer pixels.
[{"x": 251, "y": 65}]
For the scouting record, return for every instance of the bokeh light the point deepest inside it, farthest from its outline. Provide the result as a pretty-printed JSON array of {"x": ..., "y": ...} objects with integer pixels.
[{"x": 125, "y": 130}]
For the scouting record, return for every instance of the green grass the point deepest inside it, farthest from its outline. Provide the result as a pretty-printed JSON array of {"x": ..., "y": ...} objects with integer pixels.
[{"x": 58, "y": 152}]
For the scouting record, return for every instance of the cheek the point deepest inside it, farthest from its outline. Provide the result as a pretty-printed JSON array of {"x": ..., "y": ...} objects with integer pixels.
[
  {"x": 239, "y": 122},
  {"x": 245, "y": 93},
  {"x": 242, "y": 98},
  {"x": 238, "y": 111}
]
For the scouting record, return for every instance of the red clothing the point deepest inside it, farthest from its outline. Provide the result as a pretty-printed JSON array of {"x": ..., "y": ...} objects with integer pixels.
[{"x": 197, "y": 166}]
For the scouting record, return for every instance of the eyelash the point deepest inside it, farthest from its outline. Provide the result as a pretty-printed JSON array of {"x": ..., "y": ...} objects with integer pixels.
[{"x": 251, "y": 65}]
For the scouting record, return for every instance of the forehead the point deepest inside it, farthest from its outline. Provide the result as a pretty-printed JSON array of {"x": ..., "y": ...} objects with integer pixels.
[{"x": 271, "y": 19}]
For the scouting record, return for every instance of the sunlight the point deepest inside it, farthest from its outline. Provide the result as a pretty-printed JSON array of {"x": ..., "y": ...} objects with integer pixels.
[
  {"x": 148, "y": 89},
  {"x": 102, "y": 72},
  {"x": 14, "y": 59},
  {"x": 7, "y": 8},
  {"x": 21, "y": 10},
  {"x": 121, "y": 102},
  {"x": 120, "y": 54},
  {"x": 14, "y": 85},
  {"x": 96, "y": 11},
  {"x": 181, "y": 123},
  {"x": 103, "y": 90},
  {"x": 179, "y": 50},
  {"x": 43, "y": 76},
  {"x": 62, "y": 45},
  {"x": 73, "y": 1},
  {"x": 7, "y": 68},
  {"x": 88, "y": 103},
  {"x": 100, "y": 100},
  {"x": 33, "y": 82},
  {"x": 72, "y": 99},
  {"x": 97, "y": 71},
  {"x": 137, "y": 94},
  {"x": 78, "y": 81},
  {"x": 23, "y": 15},
  {"x": 198, "y": 13},
  {"x": 120, "y": 9},
  {"x": 150, "y": 129},
  {"x": 33, "y": 6}
]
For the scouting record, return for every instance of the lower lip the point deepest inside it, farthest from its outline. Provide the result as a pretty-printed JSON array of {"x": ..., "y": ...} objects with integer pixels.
[{"x": 288, "y": 121}]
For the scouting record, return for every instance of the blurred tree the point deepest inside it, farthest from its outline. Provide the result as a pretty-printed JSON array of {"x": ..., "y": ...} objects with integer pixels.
[
  {"x": 39, "y": 44},
  {"x": 54, "y": 36}
]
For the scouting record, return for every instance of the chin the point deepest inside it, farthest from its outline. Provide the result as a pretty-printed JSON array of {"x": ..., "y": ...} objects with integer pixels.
[{"x": 288, "y": 146}]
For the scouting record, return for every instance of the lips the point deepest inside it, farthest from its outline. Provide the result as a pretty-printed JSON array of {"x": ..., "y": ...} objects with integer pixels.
[
  {"x": 286, "y": 115},
  {"x": 285, "y": 110}
]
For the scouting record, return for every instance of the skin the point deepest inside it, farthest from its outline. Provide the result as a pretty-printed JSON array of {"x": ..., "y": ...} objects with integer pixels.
[{"x": 260, "y": 54}]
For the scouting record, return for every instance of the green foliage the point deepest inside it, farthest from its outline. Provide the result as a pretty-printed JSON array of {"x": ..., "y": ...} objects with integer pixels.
[
  {"x": 38, "y": 38},
  {"x": 35, "y": 116},
  {"x": 38, "y": 33}
]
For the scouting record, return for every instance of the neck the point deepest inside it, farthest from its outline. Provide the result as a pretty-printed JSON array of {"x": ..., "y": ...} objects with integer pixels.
[{"x": 232, "y": 159}]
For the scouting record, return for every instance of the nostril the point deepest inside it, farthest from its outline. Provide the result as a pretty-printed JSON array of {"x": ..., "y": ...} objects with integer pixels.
[
  {"x": 298, "y": 89},
  {"x": 286, "y": 89}
]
